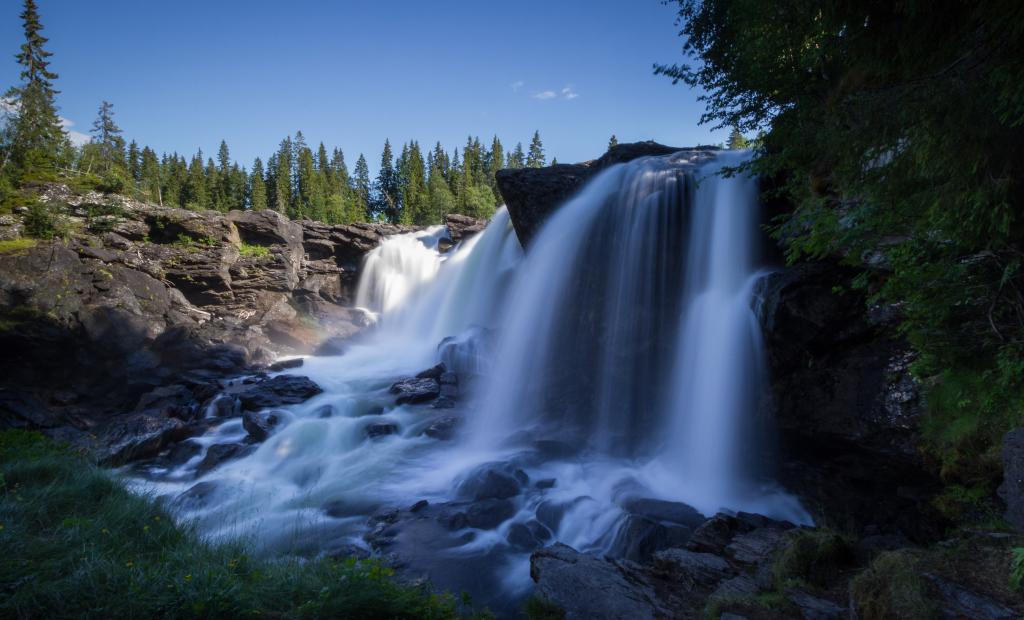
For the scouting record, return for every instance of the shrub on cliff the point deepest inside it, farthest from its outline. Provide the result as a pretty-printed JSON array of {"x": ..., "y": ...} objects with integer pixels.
[{"x": 77, "y": 544}]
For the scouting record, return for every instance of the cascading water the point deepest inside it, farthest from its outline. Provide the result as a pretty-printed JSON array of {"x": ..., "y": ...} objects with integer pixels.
[{"x": 627, "y": 366}]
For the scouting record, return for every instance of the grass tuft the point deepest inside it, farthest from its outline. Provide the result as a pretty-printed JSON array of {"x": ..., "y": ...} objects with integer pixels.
[
  {"x": 891, "y": 587},
  {"x": 17, "y": 246}
]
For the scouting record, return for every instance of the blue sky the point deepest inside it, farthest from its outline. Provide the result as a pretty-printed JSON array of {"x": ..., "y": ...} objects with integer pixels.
[{"x": 185, "y": 74}]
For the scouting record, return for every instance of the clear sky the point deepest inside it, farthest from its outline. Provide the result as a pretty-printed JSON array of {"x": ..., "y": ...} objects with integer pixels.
[{"x": 187, "y": 73}]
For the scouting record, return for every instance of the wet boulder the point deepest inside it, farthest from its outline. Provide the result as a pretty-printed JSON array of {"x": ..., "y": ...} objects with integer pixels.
[
  {"x": 585, "y": 587},
  {"x": 380, "y": 429},
  {"x": 488, "y": 514},
  {"x": 414, "y": 390},
  {"x": 651, "y": 525},
  {"x": 221, "y": 453},
  {"x": 278, "y": 391},
  {"x": 261, "y": 424},
  {"x": 443, "y": 428},
  {"x": 134, "y": 437},
  {"x": 691, "y": 568},
  {"x": 490, "y": 481},
  {"x": 170, "y": 400}
]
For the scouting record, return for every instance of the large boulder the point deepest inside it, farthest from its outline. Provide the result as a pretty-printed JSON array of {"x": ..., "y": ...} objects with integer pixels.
[
  {"x": 277, "y": 392},
  {"x": 533, "y": 194},
  {"x": 586, "y": 587},
  {"x": 140, "y": 436}
]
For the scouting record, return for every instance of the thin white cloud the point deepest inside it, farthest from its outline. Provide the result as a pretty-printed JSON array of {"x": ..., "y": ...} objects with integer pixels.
[
  {"x": 569, "y": 93},
  {"x": 517, "y": 85},
  {"x": 545, "y": 94},
  {"x": 77, "y": 138}
]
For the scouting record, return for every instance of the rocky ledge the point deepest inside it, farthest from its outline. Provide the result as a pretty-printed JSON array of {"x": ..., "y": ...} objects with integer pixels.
[
  {"x": 533, "y": 194},
  {"x": 143, "y": 298}
]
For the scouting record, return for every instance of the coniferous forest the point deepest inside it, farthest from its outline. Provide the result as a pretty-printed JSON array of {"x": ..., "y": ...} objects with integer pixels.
[{"x": 303, "y": 180}]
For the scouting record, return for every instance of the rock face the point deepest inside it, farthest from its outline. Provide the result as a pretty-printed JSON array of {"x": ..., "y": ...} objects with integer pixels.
[
  {"x": 533, "y": 194},
  {"x": 844, "y": 402},
  {"x": 1012, "y": 489},
  {"x": 152, "y": 298}
]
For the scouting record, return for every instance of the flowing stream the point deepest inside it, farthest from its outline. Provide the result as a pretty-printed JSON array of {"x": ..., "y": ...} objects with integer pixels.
[{"x": 618, "y": 360}]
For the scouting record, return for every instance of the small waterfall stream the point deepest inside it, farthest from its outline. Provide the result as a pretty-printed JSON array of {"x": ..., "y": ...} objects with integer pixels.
[{"x": 618, "y": 359}]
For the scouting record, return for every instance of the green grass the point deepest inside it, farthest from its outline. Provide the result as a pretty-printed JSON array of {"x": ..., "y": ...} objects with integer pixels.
[
  {"x": 77, "y": 544},
  {"x": 817, "y": 557},
  {"x": 891, "y": 588},
  {"x": 253, "y": 251},
  {"x": 17, "y": 245}
]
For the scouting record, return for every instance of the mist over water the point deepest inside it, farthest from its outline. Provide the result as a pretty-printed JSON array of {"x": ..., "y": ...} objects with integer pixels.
[{"x": 619, "y": 357}]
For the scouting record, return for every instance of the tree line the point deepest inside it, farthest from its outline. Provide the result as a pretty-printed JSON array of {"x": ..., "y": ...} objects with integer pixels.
[{"x": 417, "y": 186}]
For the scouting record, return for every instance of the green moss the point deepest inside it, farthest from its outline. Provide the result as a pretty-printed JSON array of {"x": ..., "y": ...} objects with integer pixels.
[
  {"x": 77, "y": 544},
  {"x": 765, "y": 601},
  {"x": 816, "y": 557},
  {"x": 891, "y": 588},
  {"x": 253, "y": 251},
  {"x": 537, "y": 608},
  {"x": 1017, "y": 569},
  {"x": 17, "y": 246}
]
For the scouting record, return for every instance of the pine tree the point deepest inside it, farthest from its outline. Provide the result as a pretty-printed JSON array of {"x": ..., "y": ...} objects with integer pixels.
[
  {"x": 736, "y": 139},
  {"x": 34, "y": 139},
  {"x": 536, "y": 157},
  {"x": 194, "y": 193},
  {"x": 134, "y": 164},
  {"x": 495, "y": 162},
  {"x": 517, "y": 159},
  {"x": 109, "y": 145},
  {"x": 362, "y": 188},
  {"x": 612, "y": 142},
  {"x": 281, "y": 197},
  {"x": 257, "y": 187},
  {"x": 149, "y": 176},
  {"x": 386, "y": 201}
]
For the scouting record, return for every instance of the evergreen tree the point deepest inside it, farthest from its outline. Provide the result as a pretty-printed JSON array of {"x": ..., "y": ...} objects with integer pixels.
[
  {"x": 535, "y": 159},
  {"x": 134, "y": 163},
  {"x": 517, "y": 159},
  {"x": 362, "y": 188},
  {"x": 612, "y": 142},
  {"x": 257, "y": 187},
  {"x": 386, "y": 202},
  {"x": 495, "y": 162},
  {"x": 736, "y": 139},
  {"x": 194, "y": 193},
  {"x": 281, "y": 197},
  {"x": 150, "y": 177},
  {"x": 108, "y": 145},
  {"x": 34, "y": 140},
  {"x": 415, "y": 198}
]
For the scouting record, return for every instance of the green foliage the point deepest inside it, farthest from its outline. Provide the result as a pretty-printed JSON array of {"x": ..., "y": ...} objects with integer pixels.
[
  {"x": 898, "y": 133},
  {"x": 77, "y": 544},
  {"x": 817, "y": 557},
  {"x": 254, "y": 251},
  {"x": 1017, "y": 569},
  {"x": 537, "y": 608},
  {"x": 535, "y": 158},
  {"x": 45, "y": 222},
  {"x": 17, "y": 246},
  {"x": 891, "y": 587}
]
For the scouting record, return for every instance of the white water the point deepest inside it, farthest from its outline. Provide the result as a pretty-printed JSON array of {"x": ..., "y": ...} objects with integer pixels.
[{"x": 627, "y": 364}]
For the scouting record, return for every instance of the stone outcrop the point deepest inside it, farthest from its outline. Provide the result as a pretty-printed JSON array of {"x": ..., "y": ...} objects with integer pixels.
[
  {"x": 1012, "y": 488},
  {"x": 844, "y": 402},
  {"x": 146, "y": 298},
  {"x": 533, "y": 194}
]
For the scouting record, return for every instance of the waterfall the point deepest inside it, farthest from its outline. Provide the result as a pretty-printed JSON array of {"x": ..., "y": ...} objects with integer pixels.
[
  {"x": 630, "y": 341},
  {"x": 619, "y": 358}
]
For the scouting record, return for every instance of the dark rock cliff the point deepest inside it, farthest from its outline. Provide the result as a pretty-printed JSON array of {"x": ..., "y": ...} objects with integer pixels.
[{"x": 533, "y": 194}]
